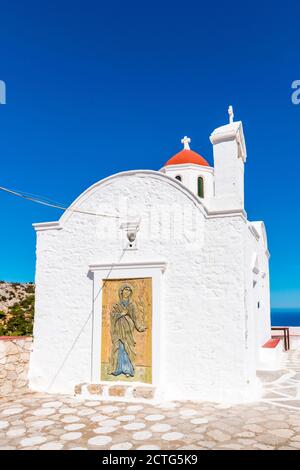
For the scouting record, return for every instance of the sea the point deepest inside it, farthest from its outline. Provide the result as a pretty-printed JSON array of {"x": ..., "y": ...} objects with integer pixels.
[{"x": 285, "y": 317}]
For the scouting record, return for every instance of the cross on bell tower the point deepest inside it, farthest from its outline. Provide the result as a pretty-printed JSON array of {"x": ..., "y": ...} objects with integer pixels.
[{"x": 231, "y": 114}]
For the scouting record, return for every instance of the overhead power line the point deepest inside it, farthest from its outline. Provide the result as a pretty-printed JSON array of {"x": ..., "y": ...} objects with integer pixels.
[{"x": 56, "y": 206}]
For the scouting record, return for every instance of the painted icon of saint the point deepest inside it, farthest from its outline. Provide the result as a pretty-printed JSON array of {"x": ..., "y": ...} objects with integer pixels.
[{"x": 124, "y": 322}]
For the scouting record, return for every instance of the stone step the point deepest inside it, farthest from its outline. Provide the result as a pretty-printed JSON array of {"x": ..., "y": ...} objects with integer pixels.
[{"x": 112, "y": 391}]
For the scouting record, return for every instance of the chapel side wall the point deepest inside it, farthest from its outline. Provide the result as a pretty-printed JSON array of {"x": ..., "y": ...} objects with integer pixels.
[
  {"x": 225, "y": 289},
  {"x": 258, "y": 295},
  {"x": 251, "y": 296},
  {"x": 264, "y": 301}
]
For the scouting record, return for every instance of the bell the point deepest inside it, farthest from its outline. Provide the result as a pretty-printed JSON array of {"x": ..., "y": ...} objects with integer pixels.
[{"x": 131, "y": 236}]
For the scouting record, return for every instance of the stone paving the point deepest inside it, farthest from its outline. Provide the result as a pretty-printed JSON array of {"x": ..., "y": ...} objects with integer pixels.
[
  {"x": 282, "y": 388},
  {"x": 43, "y": 421}
]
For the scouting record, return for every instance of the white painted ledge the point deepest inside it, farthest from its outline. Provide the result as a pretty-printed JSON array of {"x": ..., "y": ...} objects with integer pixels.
[
  {"x": 270, "y": 358},
  {"x": 39, "y": 227},
  {"x": 162, "y": 265}
]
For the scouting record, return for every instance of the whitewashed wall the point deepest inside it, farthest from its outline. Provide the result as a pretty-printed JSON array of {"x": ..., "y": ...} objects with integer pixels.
[
  {"x": 189, "y": 174},
  {"x": 259, "y": 295},
  {"x": 203, "y": 325}
]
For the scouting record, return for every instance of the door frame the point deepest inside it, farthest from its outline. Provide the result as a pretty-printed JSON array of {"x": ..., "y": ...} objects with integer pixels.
[{"x": 127, "y": 270}]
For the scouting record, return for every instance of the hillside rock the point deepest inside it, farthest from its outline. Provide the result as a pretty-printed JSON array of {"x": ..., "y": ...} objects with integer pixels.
[{"x": 16, "y": 308}]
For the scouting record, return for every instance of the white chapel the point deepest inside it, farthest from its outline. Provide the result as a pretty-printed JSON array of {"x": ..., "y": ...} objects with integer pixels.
[{"x": 154, "y": 284}]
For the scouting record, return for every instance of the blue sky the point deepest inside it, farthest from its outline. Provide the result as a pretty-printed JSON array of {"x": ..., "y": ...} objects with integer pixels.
[{"x": 98, "y": 87}]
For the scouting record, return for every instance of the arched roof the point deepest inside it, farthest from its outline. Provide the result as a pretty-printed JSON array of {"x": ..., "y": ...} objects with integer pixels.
[
  {"x": 185, "y": 157},
  {"x": 165, "y": 179}
]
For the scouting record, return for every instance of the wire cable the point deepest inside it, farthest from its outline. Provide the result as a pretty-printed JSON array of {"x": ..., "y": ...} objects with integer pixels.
[{"x": 55, "y": 206}]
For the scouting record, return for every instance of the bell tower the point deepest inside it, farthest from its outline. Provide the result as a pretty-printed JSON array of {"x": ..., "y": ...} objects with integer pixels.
[{"x": 229, "y": 158}]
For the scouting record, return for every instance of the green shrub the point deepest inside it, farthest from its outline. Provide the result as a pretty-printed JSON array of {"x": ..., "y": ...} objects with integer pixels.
[
  {"x": 2, "y": 330},
  {"x": 29, "y": 289},
  {"x": 18, "y": 325},
  {"x": 20, "y": 318}
]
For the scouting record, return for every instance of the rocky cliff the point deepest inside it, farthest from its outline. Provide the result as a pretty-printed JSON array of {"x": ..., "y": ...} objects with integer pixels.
[{"x": 16, "y": 308}]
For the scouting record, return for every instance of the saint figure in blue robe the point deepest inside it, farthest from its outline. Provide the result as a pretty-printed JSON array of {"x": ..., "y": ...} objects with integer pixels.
[{"x": 123, "y": 323}]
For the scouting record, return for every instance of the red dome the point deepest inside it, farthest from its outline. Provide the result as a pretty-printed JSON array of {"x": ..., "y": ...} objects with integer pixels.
[{"x": 186, "y": 157}]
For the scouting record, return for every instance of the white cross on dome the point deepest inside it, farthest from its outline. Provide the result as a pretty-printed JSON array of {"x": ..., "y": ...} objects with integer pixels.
[{"x": 186, "y": 141}]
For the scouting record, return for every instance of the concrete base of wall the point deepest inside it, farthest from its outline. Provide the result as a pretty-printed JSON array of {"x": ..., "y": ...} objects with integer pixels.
[{"x": 270, "y": 358}]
